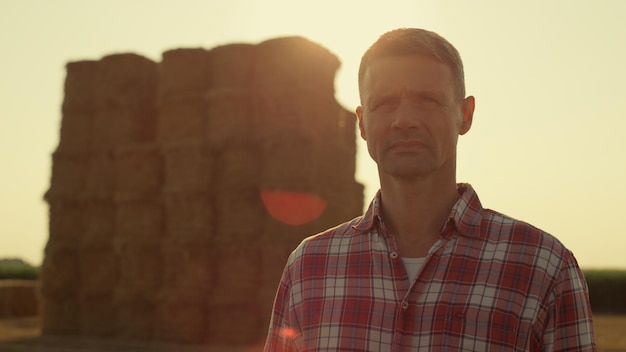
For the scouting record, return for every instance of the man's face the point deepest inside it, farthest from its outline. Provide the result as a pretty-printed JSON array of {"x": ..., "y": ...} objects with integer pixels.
[{"x": 411, "y": 118}]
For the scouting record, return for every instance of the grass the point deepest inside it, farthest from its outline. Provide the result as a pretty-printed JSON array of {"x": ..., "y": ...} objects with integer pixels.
[
  {"x": 607, "y": 289},
  {"x": 14, "y": 268}
]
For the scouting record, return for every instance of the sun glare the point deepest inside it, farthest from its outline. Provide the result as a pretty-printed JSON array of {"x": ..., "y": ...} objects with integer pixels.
[{"x": 292, "y": 207}]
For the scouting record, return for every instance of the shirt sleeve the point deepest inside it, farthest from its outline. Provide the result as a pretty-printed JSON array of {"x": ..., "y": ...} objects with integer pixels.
[
  {"x": 283, "y": 332},
  {"x": 569, "y": 325}
]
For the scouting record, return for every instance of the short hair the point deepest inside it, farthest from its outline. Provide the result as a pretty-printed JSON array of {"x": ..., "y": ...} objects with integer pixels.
[{"x": 411, "y": 41}]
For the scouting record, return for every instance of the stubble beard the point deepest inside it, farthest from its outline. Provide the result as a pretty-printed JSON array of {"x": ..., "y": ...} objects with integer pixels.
[{"x": 408, "y": 166}]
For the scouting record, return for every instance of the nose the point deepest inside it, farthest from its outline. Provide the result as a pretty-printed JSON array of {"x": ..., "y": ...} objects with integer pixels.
[{"x": 405, "y": 116}]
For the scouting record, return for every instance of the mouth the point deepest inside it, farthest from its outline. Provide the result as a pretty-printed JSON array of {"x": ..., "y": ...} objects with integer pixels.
[{"x": 406, "y": 145}]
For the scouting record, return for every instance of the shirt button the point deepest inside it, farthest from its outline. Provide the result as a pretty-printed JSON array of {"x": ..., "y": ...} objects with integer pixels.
[
  {"x": 394, "y": 255},
  {"x": 405, "y": 305}
]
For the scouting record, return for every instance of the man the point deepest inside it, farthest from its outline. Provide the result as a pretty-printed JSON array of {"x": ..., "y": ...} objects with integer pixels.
[{"x": 426, "y": 267}]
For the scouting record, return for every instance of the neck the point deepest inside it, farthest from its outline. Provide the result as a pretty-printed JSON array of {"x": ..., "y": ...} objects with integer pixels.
[{"x": 414, "y": 211}]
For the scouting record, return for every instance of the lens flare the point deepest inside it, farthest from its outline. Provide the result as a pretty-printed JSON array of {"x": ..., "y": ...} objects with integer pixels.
[
  {"x": 288, "y": 333},
  {"x": 293, "y": 208}
]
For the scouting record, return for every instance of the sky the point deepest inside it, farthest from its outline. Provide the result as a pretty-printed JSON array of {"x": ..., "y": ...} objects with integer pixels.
[{"x": 546, "y": 145}]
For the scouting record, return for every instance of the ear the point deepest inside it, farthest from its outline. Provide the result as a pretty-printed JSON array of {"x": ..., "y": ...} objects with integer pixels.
[
  {"x": 359, "y": 116},
  {"x": 467, "y": 110}
]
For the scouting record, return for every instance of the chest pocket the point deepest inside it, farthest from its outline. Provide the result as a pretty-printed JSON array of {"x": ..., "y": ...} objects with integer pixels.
[
  {"x": 493, "y": 325},
  {"x": 483, "y": 329}
]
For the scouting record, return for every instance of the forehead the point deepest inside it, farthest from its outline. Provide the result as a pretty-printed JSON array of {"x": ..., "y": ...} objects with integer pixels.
[{"x": 413, "y": 72}]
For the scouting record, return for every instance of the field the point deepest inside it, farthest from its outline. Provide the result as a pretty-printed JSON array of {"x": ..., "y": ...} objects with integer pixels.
[
  {"x": 17, "y": 335},
  {"x": 610, "y": 332}
]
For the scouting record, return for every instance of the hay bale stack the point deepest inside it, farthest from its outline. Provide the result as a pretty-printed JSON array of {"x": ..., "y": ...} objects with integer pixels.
[
  {"x": 180, "y": 314},
  {"x": 184, "y": 77},
  {"x": 78, "y": 107},
  {"x": 98, "y": 275},
  {"x": 60, "y": 287},
  {"x": 19, "y": 298},
  {"x": 125, "y": 94},
  {"x": 179, "y": 189},
  {"x": 106, "y": 183}
]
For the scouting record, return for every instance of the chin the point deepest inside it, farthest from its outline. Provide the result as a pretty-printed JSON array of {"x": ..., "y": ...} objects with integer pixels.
[{"x": 409, "y": 172}]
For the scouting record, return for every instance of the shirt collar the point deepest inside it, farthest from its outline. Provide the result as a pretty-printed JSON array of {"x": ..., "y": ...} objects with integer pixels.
[
  {"x": 371, "y": 217},
  {"x": 465, "y": 214}
]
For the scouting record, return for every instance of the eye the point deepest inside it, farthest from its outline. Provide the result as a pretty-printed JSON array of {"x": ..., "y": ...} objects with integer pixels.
[
  {"x": 384, "y": 104},
  {"x": 428, "y": 101}
]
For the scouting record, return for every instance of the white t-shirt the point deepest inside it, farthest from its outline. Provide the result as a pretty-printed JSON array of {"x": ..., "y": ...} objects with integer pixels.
[{"x": 412, "y": 266}]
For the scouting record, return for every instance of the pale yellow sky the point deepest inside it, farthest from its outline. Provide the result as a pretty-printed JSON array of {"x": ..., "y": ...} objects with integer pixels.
[{"x": 548, "y": 76}]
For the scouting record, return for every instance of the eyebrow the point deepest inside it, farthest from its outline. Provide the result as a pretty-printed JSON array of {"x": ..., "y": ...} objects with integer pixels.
[{"x": 372, "y": 98}]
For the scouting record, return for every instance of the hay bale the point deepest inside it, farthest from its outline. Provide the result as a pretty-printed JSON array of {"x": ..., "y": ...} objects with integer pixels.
[
  {"x": 181, "y": 316},
  {"x": 99, "y": 221},
  {"x": 230, "y": 119},
  {"x": 184, "y": 70},
  {"x": 134, "y": 313},
  {"x": 235, "y": 324},
  {"x": 187, "y": 264},
  {"x": 345, "y": 205},
  {"x": 346, "y": 123},
  {"x": 79, "y": 88},
  {"x": 236, "y": 273},
  {"x": 125, "y": 101},
  {"x": 239, "y": 216},
  {"x": 239, "y": 168},
  {"x": 66, "y": 219},
  {"x": 60, "y": 268},
  {"x": 76, "y": 132},
  {"x": 290, "y": 234},
  {"x": 19, "y": 298},
  {"x": 95, "y": 314},
  {"x": 294, "y": 64},
  {"x": 141, "y": 218},
  {"x": 289, "y": 164},
  {"x": 182, "y": 118},
  {"x": 188, "y": 216},
  {"x": 273, "y": 261},
  {"x": 78, "y": 107},
  {"x": 328, "y": 158},
  {"x": 138, "y": 168},
  {"x": 126, "y": 82},
  {"x": 60, "y": 314},
  {"x": 140, "y": 264},
  {"x": 98, "y": 270},
  {"x": 69, "y": 175},
  {"x": 232, "y": 66},
  {"x": 187, "y": 168},
  {"x": 279, "y": 115},
  {"x": 100, "y": 176},
  {"x": 114, "y": 127}
]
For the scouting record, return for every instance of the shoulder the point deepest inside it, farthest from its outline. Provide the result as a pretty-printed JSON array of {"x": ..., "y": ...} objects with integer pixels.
[
  {"x": 475, "y": 221},
  {"x": 333, "y": 241},
  {"x": 496, "y": 226},
  {"x": 525, "y": 241}
]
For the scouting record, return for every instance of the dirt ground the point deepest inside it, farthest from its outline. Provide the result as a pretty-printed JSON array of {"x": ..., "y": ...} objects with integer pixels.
[{"x": 24, "y": 335}]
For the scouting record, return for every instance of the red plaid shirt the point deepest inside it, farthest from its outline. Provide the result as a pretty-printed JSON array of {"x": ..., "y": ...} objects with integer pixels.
[{"x": 490, "y": 283}]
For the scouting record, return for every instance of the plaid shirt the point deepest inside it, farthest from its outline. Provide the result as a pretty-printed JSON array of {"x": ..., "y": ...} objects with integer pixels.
[{"x": 490, "y": 283}]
